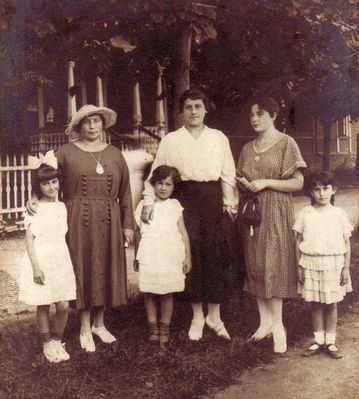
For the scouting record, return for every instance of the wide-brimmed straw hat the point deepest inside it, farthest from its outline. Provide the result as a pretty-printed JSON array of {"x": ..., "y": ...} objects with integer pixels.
[{"x": 108, "y": 114}]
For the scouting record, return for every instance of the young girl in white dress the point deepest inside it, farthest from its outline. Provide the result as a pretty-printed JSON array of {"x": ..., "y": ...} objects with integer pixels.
[
  {"x": 323, "y": 255},
  {"x": 163, "y": 253},
  {"x": 47, "y": 274}
]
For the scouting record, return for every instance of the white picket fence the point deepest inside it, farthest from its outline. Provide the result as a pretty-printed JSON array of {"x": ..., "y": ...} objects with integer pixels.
[{"x": 15, "y": 190}]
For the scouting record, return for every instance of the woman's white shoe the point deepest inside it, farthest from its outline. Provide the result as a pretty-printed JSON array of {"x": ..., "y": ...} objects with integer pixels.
[
  {"x": 218, "y": 328},
  {"x": 279, "y": 340},
  {"x": 103, "y": 333},
  {"x": 87, "y": 342},
  {"x": 196, "y": 330}
]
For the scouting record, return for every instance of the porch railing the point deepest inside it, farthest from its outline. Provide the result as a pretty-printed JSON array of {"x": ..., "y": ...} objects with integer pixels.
[{"x": 15, "y": 190}]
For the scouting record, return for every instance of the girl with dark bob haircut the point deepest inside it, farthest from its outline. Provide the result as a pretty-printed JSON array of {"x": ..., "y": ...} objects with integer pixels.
[
  {"x": 164, "y": 171},
  {"x": 44, "y": 173},
  {"x": 325, "y": 178},
  {"x": 194, "y": 94}
]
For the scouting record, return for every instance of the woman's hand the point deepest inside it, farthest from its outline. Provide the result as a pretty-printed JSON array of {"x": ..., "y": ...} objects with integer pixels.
[
  {"x": 187, "y": 265},
  {"x": 136, "y": 265},
  {"x": 257, "y": 185},
  {"x": 39, "y": 276},
  {"x": 344, "y": 276},
  {"x": 147, "y": 213},
  {"x": 128, "y": 235},
  {"x": 31, "y": 205},
  {"x": 300, "y": 275}
]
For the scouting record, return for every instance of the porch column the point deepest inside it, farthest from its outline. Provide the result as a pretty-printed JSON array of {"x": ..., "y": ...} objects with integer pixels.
[
  {"x": 160, "y": 111},
  {"x": 99, "y": 92},
  {"x": 71, "y": 100},
  {"x": 40, "y": 105},
  {"x": 137, "y": 114}
]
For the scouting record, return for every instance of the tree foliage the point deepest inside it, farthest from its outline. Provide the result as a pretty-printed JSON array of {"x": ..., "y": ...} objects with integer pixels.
[{"x": 301, "y": 51}]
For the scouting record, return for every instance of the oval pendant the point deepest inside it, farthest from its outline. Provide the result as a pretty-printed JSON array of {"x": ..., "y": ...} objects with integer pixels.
[
  {"x": 99, "y": 169},
  {"x": 257, "y": 158}
]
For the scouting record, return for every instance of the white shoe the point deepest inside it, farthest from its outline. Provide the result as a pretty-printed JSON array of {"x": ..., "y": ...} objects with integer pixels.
[
  {"x": 50, "y": 352},
  {"x": 196, "y": 330},
  {"x": 279, "y": 340},
  {"x": 61, "y": 351},
  {"x": 218, "y": 328},
  {"x": 87, "y": 342},
  {"x": 103, "y": 334}
]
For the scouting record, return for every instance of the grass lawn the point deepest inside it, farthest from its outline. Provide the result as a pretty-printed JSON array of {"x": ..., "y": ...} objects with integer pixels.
[{"x": 131, "y": 368}]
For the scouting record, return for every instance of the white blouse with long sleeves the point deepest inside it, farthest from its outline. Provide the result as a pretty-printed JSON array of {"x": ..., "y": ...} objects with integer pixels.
[{"x": 207, "y": 158}]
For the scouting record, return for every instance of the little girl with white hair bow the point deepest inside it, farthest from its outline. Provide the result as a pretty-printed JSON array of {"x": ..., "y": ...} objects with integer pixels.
[{"x": 47, "y": 274}]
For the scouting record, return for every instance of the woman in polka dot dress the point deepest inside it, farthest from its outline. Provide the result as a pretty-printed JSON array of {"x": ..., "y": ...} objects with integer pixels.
[{"x": 270, "y": 168}]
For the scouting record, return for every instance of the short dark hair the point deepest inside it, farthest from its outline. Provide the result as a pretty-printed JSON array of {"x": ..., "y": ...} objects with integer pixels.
[
  {"x": 324, "y": 177},
  {"x": 44, "y": 173},
  {"x": 164, "y": 171},
  {"x": 77, "y": 127},
  {"x": 194, "y": 94},
  {"x": 265, "y": 103}
]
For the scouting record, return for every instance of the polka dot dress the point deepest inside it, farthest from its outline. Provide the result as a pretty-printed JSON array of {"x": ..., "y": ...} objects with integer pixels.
[{"x": 270, "y": 251}]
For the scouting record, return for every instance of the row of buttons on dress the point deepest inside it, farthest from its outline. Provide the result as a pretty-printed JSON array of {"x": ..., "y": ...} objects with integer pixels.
[{"x": 85, "y": 203}]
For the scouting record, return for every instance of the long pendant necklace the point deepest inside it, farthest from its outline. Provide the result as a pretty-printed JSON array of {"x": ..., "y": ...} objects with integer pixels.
[{"x": 99, "y": 167}]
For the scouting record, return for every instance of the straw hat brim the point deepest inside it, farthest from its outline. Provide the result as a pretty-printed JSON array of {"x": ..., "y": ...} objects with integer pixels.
[{"x": 108, "y": 114}]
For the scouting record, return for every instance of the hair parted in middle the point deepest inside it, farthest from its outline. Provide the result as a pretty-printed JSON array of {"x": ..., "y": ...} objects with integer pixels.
[
  {"x": 194, "y": 94},
  {"x": 43, "y": 174},
  {"x": 164, "y": 171},
  {"x": 324, "y": 178}
]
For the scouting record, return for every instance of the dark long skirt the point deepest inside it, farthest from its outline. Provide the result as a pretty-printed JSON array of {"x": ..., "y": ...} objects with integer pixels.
[{"x": 202, "y": 203}]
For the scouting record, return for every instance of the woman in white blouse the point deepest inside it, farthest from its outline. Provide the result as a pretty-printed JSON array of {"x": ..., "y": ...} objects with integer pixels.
[{"x": 204, "y": 159}]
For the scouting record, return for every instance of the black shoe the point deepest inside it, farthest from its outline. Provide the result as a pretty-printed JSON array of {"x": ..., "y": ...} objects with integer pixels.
[
  {"x": 334, "y": 352},
  {"x": 314, "y": 349}
]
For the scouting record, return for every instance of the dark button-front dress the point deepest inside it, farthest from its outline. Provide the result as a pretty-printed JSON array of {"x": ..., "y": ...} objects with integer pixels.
[
  {"x": 270, "y": 251},
  {"x": 99, "y": 206}
]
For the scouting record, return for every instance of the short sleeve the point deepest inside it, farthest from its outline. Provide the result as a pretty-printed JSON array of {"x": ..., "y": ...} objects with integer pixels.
[
  {"x": 137, "y": 213},
  {"x": 346, "y": 225},
  {"x": 299, "y": 222},
  {"x": 292, "y": 159},
  {"x": 176, "y": 208},
  {"x": 32, "y": 221}
]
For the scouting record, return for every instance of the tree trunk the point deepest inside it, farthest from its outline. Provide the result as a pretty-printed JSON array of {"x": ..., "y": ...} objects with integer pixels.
[
  {"x": 326, "y": 142},
  {"x": 182, "y": 75}
]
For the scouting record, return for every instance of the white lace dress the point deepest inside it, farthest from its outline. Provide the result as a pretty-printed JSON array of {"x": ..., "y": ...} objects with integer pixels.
[
  {"x": 161, "y": 250},
  {"x": 322, "y": 253},
  {"x": 49, "y": 226}
]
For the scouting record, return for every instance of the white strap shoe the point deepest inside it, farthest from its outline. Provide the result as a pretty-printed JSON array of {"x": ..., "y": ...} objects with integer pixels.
[{"x": 103, "y": 334}]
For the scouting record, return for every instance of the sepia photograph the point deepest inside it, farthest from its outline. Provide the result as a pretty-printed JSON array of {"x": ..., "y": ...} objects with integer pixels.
[{"x": 179, "y": 199}]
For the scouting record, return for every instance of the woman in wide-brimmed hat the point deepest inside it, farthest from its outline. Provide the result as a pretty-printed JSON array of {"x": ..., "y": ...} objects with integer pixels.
[{"x": 96, "y": 190}]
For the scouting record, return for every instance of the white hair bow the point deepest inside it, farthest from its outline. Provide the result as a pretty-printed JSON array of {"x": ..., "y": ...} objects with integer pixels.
[{"x": 47, "y": 159}]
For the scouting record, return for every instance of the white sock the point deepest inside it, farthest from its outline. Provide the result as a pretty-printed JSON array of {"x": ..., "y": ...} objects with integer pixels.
[
  {"x": 330, "y": 338},
  {"x": 319, "y": 337},
  {"x": 214, "y": 312}
]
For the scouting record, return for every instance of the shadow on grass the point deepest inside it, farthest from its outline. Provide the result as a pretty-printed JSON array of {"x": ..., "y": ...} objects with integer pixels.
[{"x": 131, "y": 368}]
